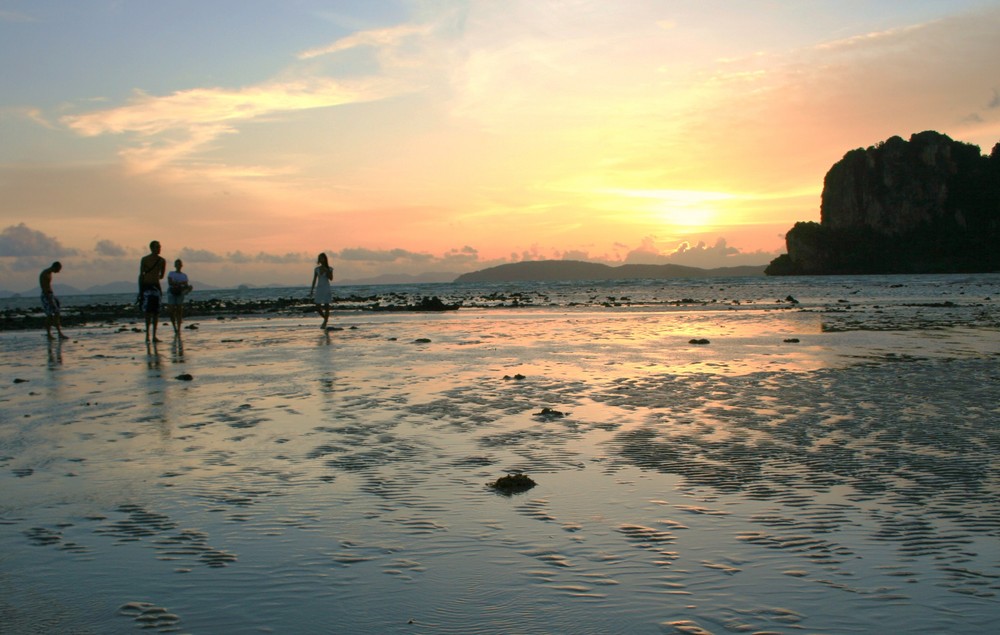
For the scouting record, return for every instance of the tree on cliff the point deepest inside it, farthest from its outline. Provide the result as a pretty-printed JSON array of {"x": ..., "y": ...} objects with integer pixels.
[{"x": 927, "y": 205}]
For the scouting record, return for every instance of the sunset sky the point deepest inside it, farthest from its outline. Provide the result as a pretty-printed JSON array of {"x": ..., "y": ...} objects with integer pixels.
[{"x": 452, "y": 135}]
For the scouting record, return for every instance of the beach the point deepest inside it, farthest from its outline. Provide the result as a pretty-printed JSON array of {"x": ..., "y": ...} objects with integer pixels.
[{"x": 754, "y": 469}]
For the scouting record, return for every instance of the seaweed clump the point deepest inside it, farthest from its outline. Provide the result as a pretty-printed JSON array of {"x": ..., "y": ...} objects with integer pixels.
[{"x": 512, "y": 484}]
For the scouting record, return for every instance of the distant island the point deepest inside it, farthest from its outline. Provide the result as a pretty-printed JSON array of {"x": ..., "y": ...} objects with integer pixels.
[
  {"x": 576, "y": 270},
  {"x": 927, "y": 205}
]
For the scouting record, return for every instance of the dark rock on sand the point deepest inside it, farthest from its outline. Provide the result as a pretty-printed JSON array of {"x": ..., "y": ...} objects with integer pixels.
[
  {"x": 549, "y": 413},
  {"x": 699, "y": 341},
  {"x": 185, "y": 377},
  {"x": 512, "y": 484}
]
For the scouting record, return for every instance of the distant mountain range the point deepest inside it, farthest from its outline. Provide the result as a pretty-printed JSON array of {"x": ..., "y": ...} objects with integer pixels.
[
  {"x": 552, "y": 270},
  {"x": 403, "y": 278}
]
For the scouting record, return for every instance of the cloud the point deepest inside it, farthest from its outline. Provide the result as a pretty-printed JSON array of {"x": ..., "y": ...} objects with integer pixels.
[
  {"x": 703, "y": 255},
  {"x": 384, "y": 39},
  {"x": 30, "y": 113},
  {"x": 15, "y": 16},
  {"x": 20, "y": 240},
  {"x": 279, "y": 259},
  {"x": 239, "y": 257},
  {"x": 383, "y": 256},
  {"x": 199, "y": 255},
  {"x": 460, "y": 257},
  {"x": 110, "y": 249},
  {"x": 167, "y": 128},
  {"x": 150, "y": 115},
  {"x": 647, "y": 253},
  {"x": 701, "y": 251},
  {"x": 575, "y": 254},
  {"x": 865, "y": 40}
]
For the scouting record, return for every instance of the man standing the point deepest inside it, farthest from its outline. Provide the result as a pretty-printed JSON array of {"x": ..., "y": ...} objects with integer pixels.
[
  {"x": 151, "y": 270},
  {"x": 50, "y": 303}
]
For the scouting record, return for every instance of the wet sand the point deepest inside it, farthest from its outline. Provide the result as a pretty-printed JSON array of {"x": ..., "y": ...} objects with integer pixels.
[{"x": 261, "y": 475}]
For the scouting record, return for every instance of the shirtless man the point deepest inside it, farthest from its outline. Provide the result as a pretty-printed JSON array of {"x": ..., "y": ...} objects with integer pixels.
[
  {"x": 50, "y": 303},
  {"x": 152, "y": 268}
]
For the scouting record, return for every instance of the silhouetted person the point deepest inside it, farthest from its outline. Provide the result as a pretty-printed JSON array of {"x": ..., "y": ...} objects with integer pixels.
[
  {"x": 320, "y": 288},
  {"x": 50, "y": 303},
  {"x": 177, "y": 288},
  {"x": 151, "y": 270}
]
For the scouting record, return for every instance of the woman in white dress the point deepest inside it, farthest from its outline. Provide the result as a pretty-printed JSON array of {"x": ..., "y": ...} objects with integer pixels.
[
  {"x": 320, "y": 288},
  {"x": 177, "y": 287}
]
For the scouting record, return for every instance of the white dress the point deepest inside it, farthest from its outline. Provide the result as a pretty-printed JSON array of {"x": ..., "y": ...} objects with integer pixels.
[
  {"x": 322, "y": 295},
  {"x": 175, "y": 278}
]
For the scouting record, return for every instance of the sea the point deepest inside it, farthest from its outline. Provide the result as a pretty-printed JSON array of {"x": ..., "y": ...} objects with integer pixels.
[{"x": 883, "y": 292}]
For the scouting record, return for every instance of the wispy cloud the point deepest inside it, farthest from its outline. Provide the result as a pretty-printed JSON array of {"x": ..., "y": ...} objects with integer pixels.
[
  {"x": 33, "y": 114},
  {"x": 171, "y": 127},
  {"x": 15, "y": 16},
  {"x": 150, "y": 115},
  {"x": 386, "y": 40},
  {"x": 865, "y": 40},
  {"x": 995, "y": 102}
]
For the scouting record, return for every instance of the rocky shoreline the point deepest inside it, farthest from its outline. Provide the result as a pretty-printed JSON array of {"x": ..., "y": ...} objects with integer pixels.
[{"x": 75, "y": 316}]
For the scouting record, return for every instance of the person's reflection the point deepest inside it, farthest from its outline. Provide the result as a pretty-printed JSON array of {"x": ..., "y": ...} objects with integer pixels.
[
  {"x": 156, "y": 390},
  {"x": 55, "y": 353},
  {"x": 325, "y": 347},
  {"x": 178, "y": 350},
  {"x": 152, "y": 355},
  {"x": 55, "y": 363}
]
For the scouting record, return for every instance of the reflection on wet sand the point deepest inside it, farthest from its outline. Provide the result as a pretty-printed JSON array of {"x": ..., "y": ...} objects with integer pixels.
[
  {"x": 840, "y": 483},
  {"x": 55, "y": 359}
]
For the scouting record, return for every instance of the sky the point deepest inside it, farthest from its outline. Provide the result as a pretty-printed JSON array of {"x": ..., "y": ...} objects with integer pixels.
[{"x": 411, "y": 136}]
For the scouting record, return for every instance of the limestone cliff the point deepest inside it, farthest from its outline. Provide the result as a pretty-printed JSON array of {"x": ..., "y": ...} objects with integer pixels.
[{"x": 925, "y": 205}]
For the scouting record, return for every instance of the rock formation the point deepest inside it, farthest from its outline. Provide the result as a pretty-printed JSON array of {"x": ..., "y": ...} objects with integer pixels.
[{"x": 927, "y": 205}]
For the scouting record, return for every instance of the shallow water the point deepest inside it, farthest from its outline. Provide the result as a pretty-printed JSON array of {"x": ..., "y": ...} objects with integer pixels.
[{"x": 335, "y": 482}]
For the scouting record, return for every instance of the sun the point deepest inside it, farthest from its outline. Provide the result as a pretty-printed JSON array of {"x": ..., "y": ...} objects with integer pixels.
[
  {"x": 689, "y": 216},
  {"x": 682, "y": 208}
]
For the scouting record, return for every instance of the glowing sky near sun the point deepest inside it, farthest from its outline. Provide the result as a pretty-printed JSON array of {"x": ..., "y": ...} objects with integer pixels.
[{"x": 445, "y": 135}]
